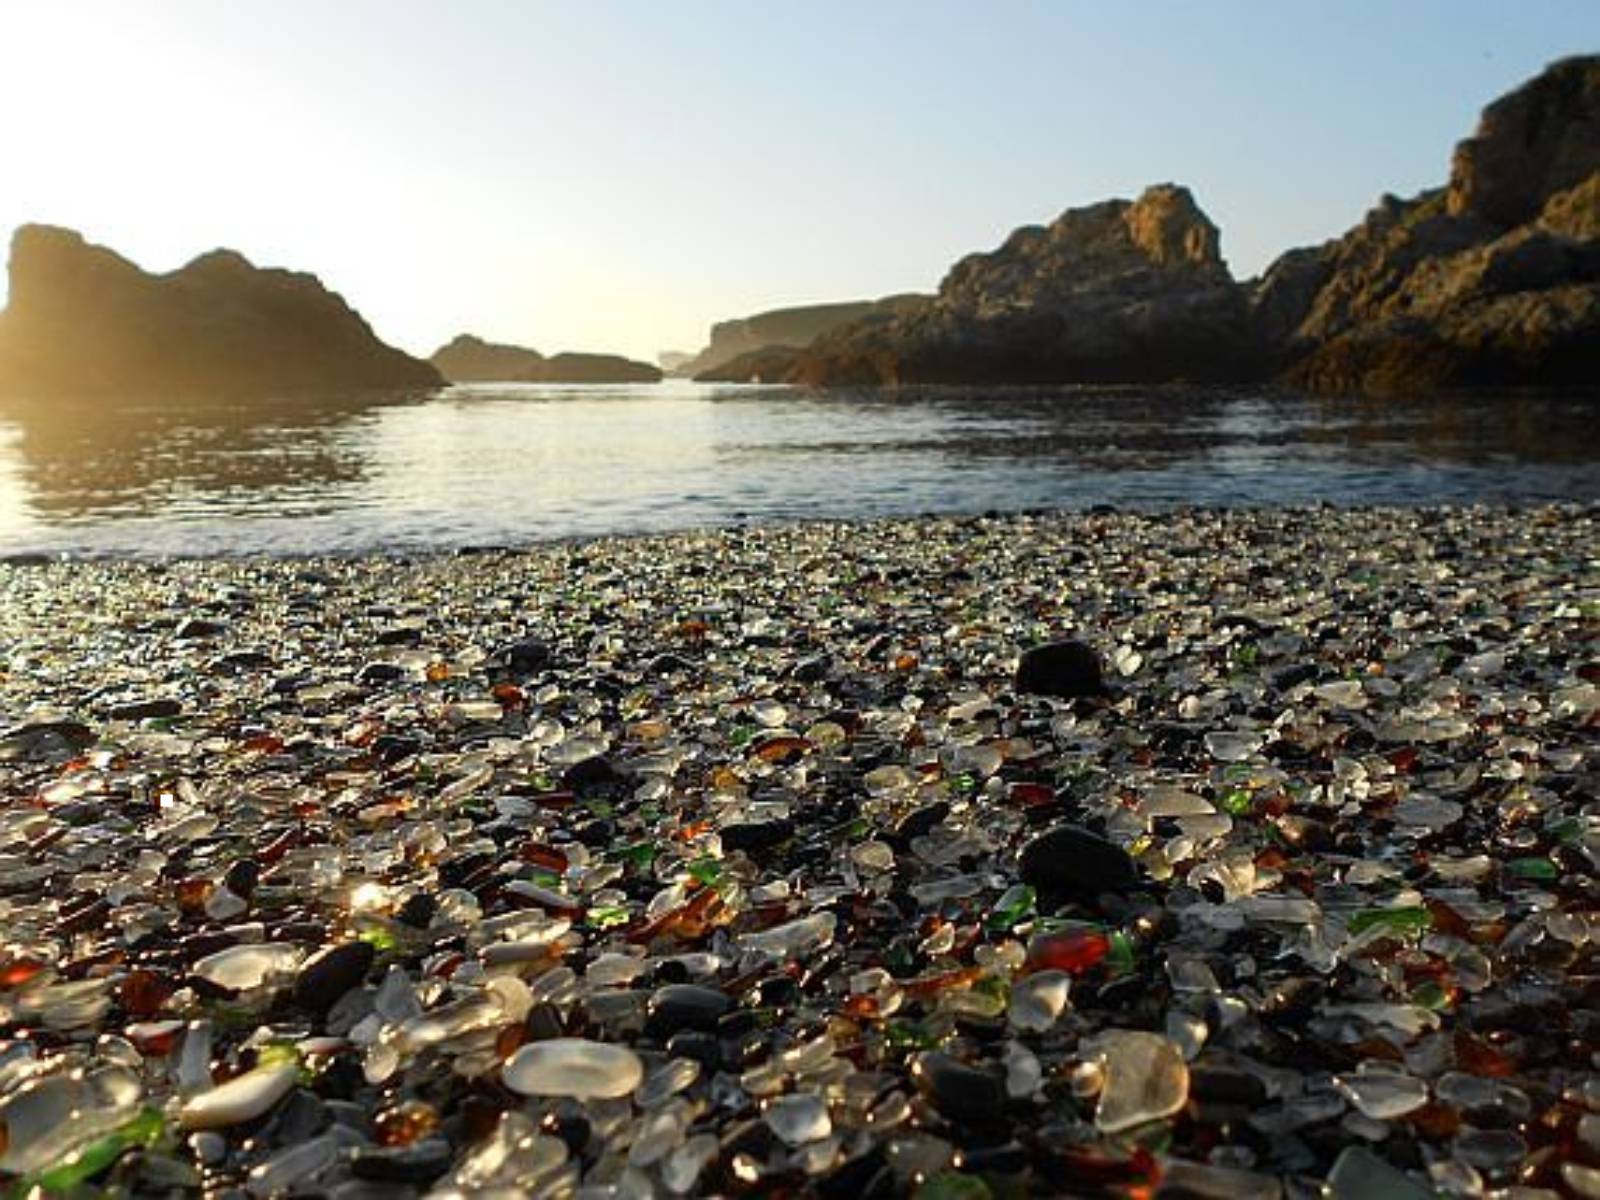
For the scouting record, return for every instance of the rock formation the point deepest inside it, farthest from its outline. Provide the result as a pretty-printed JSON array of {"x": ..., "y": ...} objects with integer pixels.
[
  {"x": 468, "y": 359},
  {"x": 1493, "y": 279},
  {"x": 790, "y": 328},
  {"x": 1121, "y": 291},
  {"x": 83, "y": 320}
]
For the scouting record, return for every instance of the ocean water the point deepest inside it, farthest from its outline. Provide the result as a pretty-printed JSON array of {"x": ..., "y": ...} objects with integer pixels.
[{"x": 515, "y": 464}]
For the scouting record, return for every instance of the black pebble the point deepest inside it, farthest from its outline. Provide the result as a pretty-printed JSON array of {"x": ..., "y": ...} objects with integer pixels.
[{"x": 1067, "y": 670}]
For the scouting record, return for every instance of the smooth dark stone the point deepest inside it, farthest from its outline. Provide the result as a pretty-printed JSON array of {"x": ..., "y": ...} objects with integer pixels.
[
  {"x": 866, "y": 1177},
  {"x": 964, "y": 1094},
  {"x": 524, "y": 657},
  {"x": 50, "y": 735},
  {"x": 242, "y": 876},
  {"x": 756, "y": 835},
  {"x": 456, "y": 872},
  {"x": 341, "y": 1079},
  {"x": 811, "y": 670},
  {"x": 1066, "y": 670},
  {"x": 920, "y": 821},
  {"x": 198, "y": 627},
  {"x": 1288, "y": 677},
  {"x": 421, "y": 1162},
  {"x": 402, "y": 635},
  {"x": 1295, "y": 997},
  {"x": 590, "y": 775},
  {"x": 390, "y": 748},
  {"x": 680, "y": 1006},
  {"x": 1305, "y": 833},
  {"x": 703, "y": 1048},
  {"x": 778, "y": 992},
  {"x": 331, "y": 972},
  {"x": 301, "y": 1117},
  {"x": 1069, "y": 858},
  {"x": 79, "y": 812},
  {"x": 668, "y": 664},
  {"x": 543, "y": 1022},
  {"x": 601, "y": 832},
  {"x": 145, "y": 710},
  {"x": 573, "y": 1128},
  {"x": 351, "y": 1115},
  {"x": 1007, "y": 1158},
  {"x": 240, "y": 661},
  {"x": 1225, "y": 1087},
  {"x": 418, "y": 910}
]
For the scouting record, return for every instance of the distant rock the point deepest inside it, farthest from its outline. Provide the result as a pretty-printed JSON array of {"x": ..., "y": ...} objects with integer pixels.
[
  {"x": 84, "y": 320},
  {"x": 673, "y": 361},
  {"x": 1120, "y": 291},
  {"x": 596, "y": 368},
  {"x": 787, "y": 328},
  {"x": 468, "y": 359}
]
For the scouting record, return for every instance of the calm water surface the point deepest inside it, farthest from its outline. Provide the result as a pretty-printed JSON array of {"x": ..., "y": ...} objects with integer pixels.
[{"x": 510, "y": 464}]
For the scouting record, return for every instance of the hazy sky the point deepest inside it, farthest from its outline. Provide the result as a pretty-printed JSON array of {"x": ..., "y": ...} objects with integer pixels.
[{"x": 610, "y": 175}]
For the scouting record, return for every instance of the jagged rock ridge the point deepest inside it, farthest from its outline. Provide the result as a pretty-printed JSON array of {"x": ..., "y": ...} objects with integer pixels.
[{"x": 83, "y": 319}]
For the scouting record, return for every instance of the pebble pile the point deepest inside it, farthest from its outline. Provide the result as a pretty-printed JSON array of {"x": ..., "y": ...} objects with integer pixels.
[{"x": 1240, "y": 854}]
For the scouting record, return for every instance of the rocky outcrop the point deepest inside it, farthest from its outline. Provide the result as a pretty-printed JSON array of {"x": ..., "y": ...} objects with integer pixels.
[
  {"x": 1123, "y": 291},
  {"x": 468, "y": 359},
  {"x": 1531, "y": 144},
  {"x": 83, "y": 320},
  {"x": 1492, "y": 279},
  {"x": 788, "y": 328}
]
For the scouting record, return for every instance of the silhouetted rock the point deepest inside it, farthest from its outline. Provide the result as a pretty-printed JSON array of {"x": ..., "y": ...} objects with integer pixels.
[
  {"x": 790, "y": 328},
  {"x": 1118, "y": 291},
  {"x": 82, "y": 319},
  {"x": 468, "y": 359}
]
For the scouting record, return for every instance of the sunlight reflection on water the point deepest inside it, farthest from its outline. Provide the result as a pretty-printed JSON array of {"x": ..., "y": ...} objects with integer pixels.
[{"x": 519, "y": 463}]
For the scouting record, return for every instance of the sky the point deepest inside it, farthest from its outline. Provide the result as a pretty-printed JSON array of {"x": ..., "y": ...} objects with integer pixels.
[{"x": 614, "y": 175}]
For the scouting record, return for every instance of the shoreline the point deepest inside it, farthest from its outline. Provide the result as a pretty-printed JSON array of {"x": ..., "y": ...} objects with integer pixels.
[
  {"x": 402, "y": 553},
  {"x": 1305, "y": 894}
]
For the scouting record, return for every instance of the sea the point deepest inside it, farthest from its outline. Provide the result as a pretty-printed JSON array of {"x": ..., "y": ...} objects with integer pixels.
[{"x": 511, "y": 465}]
